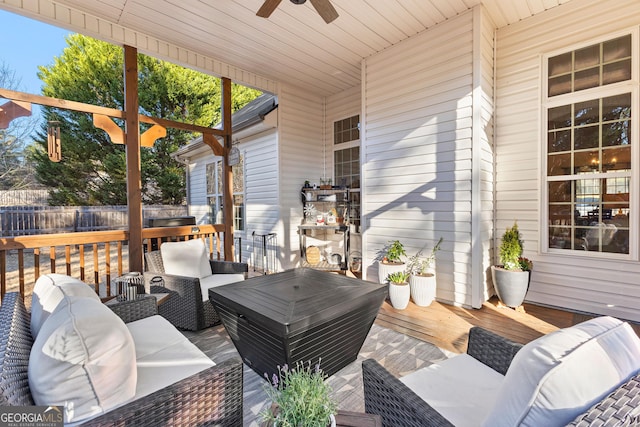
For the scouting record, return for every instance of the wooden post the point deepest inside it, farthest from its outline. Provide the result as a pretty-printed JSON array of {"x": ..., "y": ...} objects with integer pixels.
[
  {"x": 228, "y": 174},
  {"x": 132, "y": 143}
]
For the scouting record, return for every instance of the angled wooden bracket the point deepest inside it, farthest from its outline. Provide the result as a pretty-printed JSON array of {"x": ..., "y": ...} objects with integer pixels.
[
  {"x": 147, "y": 139},
  {"x": 107, "y": 124},
  {"x": 12, "y": 110},
  {"x": 212, "y": 142}
]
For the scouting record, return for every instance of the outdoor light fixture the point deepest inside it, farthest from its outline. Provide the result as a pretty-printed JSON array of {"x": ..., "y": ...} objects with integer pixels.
[{"x": 53, "y": 141}]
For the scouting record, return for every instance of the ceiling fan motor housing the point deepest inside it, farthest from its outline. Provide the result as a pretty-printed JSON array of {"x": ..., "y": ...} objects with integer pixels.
[{"x": 298, "y": 1}]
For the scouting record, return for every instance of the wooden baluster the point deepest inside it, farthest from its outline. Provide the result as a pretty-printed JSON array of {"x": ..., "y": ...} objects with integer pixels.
[
  {"x": 36, "y": 263},
  {"x": 120, "y": 268},
  {"x": 52, "y": 259},
  {"x": 82, "y": 270},
  {"x": 96, "y": 269},
  {"x": 107, "y": 265},
  {"x": 67, "y": 258}
]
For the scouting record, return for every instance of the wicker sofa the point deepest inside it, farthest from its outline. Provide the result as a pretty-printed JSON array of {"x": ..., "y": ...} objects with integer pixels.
[
  {"x": 188, "y": 306},
  {"x": 167, "y": 380},
  {"x": 586, "y": 375}
]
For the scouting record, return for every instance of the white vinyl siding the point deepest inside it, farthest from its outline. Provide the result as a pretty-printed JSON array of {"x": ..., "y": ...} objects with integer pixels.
[
  {"x": 418, "y": 137},
  {"x": 601, "y": 286},
  {"x": 301, "y": 154}
]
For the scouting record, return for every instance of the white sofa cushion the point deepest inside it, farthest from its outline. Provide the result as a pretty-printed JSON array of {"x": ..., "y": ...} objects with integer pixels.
[
  {"x": 83, "y": 359},
  {"x": 188, "y": 258},
  {"x": 557, "y": 377},
  {"x": 218, "y": 280},
  {"x": 164, "y": 356},
  {"x": 460, "y": 388},
  {"x": 48, "y": 291}
]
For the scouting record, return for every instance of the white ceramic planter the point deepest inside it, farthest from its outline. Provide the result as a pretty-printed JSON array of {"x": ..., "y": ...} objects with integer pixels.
[
  {"x": 423, "y": 289},
  {"x": 399, "y": 295},
  {"x": 385, "y": 269}
]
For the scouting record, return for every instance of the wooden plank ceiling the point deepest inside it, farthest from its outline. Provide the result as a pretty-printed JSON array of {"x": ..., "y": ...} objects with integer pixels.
[{"x": 294, "y": 45}]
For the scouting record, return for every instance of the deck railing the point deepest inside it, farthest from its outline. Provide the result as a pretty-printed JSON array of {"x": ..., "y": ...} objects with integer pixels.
[{"x": 93, "y": 257}]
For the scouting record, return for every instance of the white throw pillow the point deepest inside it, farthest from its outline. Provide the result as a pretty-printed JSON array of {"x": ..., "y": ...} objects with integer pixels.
[
  {"x": 83, "y": 359},
  {"x": 188, "y": 258},
  {"x": 557, "y": 377},
  {"x": 49, "y": 290}
]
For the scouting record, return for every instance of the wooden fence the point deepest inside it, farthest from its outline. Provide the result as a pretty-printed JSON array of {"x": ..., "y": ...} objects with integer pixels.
[
  {"x": 33, "y": 220},
  {"x": 24, "y": 197}
]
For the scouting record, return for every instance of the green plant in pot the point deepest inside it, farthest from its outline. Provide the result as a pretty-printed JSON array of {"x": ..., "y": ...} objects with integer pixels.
[
  {"x": 399, "y": 290},
  {"x": 511, "y": 278},
  {"x": 422, "y": 280},
  {"x": 390, "y": 259},
  {"x": 300, "y": 397}
]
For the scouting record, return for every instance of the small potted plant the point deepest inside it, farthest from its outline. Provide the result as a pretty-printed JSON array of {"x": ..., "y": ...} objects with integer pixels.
[
  {"x": 511, "y": 277},
  {"x": 390, "y": 260},
  {"x": 300, "y": 397},
  {"x": 422, "y": 280},
  {"x": 399, "y": 290}
]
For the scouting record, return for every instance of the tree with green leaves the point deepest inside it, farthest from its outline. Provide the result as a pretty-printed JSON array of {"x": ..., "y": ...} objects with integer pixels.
[{"x": 93, "y": 169}]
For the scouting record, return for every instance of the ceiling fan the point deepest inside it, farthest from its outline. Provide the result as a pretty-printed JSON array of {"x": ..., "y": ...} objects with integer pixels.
[{"x": 323, "y": 7}]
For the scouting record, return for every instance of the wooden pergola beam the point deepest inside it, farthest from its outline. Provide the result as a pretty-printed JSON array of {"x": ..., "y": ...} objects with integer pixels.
[{"x": 105, "y": 111}]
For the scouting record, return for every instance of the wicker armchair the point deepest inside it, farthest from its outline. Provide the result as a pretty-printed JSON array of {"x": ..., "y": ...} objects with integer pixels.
[
  {"x": 210, "y": 397},
  {"x": 398, "y": 405},
  {"x": 185, "y": 307}
]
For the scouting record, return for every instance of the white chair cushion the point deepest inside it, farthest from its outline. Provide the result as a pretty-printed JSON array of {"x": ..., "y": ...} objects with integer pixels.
[
  {"x": 83, "y": 359},
  {"x": 188, "y": 258},
  {"x": 218, "y": 280},
  {"x": 559, "y": 376},
  {"x": 48, "y": 291},
  {"x": 461, "y": 388},
  {"x": 164, "y": 356}
]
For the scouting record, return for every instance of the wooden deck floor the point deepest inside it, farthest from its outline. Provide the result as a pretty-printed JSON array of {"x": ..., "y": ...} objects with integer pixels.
[{"x": 447, "y": 326}]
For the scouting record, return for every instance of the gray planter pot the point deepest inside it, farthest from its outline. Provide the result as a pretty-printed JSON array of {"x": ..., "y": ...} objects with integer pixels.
[
  {"x": 423, "y": 289},
  {"x": 511, "y": 286},
  {"x": 399, "y": 295}
]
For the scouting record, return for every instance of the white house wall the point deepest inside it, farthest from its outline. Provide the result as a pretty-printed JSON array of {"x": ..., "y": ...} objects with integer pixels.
[
  {"x": 301, "y": 157},
  {"x": 197, "y": 179},
  {"x": 338, "y": 107},
  {"x": 262, "y": 209},
  {"x": 418, "y": 110},
  {"x": 585, "y": 284}
]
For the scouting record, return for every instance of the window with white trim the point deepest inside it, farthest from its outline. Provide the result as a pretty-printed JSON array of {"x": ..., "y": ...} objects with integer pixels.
[
  {"x": 346, "y": 162},
  {"x": 589, "y": 113},
  {"x": 215, "y": 193}
]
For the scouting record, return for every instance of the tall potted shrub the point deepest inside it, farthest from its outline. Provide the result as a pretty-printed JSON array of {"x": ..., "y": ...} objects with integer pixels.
[
  {"x": 390, "y": 260},
  {"x": 511, "y": 278},
  {"x": 422, "y": 279}
]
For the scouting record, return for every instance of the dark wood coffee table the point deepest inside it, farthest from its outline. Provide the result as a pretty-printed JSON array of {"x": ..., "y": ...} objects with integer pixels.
[{"x": 300, "y": 315}]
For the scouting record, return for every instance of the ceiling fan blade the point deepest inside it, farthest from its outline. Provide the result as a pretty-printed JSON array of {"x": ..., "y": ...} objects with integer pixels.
[
  {"x": 267, "y": 8},
  {"x": 325, "y": 9}
]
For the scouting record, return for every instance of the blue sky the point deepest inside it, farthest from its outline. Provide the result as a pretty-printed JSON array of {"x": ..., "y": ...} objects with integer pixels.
[{"x": 27, "y": 43}]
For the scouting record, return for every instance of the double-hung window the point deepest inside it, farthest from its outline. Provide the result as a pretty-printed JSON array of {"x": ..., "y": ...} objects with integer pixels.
[
  {"x": 346, "y": 162},
  {"x": 215, "y": 193},
  {"x": 590, "y": 114}
]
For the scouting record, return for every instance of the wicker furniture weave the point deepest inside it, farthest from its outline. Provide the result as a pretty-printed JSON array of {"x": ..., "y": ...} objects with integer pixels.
[
  {"x": 210, "y": 397},
  {"x": 185, "y": 308},
  {"x": 398, "y": 405}
]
